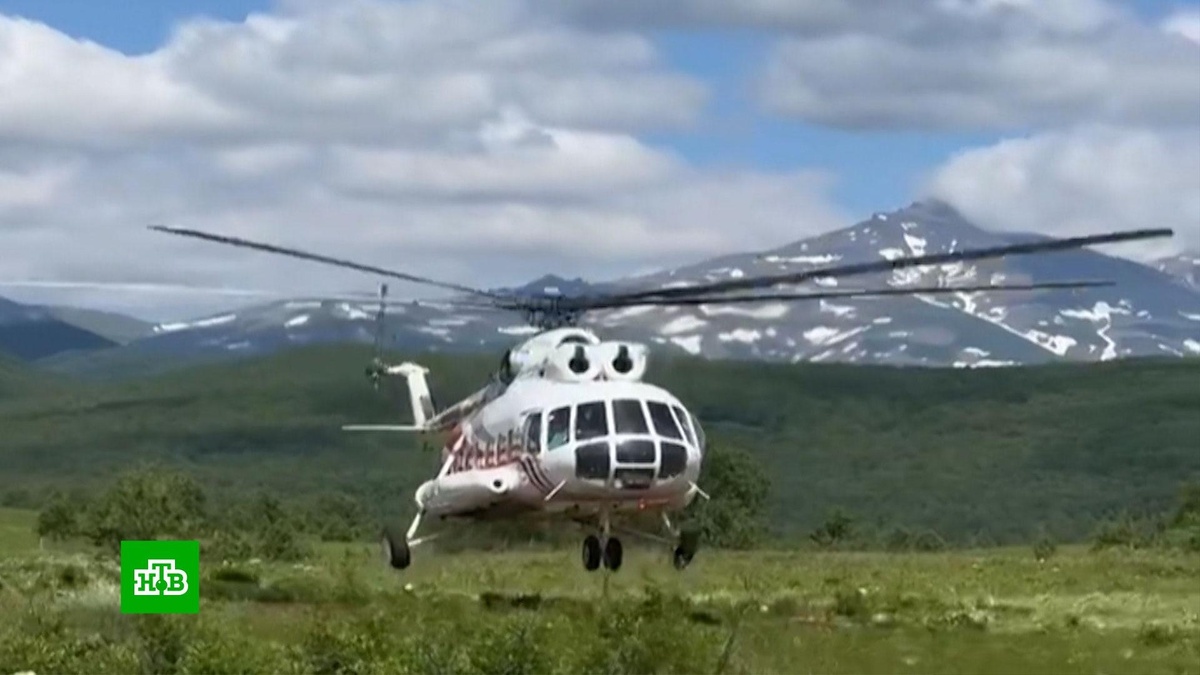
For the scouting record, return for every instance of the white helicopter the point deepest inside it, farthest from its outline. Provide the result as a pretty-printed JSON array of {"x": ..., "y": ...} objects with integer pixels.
[{"x": 567, "y": 426}]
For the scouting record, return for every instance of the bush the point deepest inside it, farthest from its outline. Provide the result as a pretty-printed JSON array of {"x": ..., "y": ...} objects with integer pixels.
[{"x": 736, "y": 516}]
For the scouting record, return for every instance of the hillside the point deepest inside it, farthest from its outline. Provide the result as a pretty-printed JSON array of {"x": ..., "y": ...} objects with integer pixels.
[
  {"x": 975, "y": 454},
  {"x": 31, "y": 333},
  {"x": 118, "y": 328},
  {"x": 19, "y": 379},
  {"x": 1148, "y": 312}
]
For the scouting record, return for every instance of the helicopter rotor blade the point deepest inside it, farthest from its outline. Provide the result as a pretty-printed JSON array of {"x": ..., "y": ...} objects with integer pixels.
[
  {"x": 137, "y": 287},
  {"x": 356, "y": 297},
  {"x": 304, "y": 255},
  {"x": 869, "y": 267},
  {"x": 848, "y": 293}
]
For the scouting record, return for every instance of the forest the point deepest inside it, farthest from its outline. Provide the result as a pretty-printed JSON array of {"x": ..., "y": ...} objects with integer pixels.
[{"x": 948, "y": 457}]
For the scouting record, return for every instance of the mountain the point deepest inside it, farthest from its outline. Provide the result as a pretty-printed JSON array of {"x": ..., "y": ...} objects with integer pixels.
[
  {"x": 29, "y": 333},
  {"x": 553, "y": 284},
  {"x": 118, "y": 328},
  {"x": 1185, "y": 268},
  {"x": 1147, "y": 313}
]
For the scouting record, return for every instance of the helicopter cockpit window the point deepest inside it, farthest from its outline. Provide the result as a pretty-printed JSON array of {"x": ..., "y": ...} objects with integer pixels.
[
  {"x": 674, "y": 460},
  {"x": 591, "y": 421},
  {"x": 533, "y": 433},
  {"x": 628, "y": 417},
  {"x": 699, "y": 431},
  {"x": 558, "y": 428},
  {"x": 664, "y": 421},
  {"x": 682, "y": 418}
]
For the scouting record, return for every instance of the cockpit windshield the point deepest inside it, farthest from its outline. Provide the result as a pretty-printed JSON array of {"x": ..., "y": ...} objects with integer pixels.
[
  {"x": 664, "y": 421},
  {"x": 627, "y": 440},
  {"x": 628, "y": 417},
  {"x": 591, "y": 421}
]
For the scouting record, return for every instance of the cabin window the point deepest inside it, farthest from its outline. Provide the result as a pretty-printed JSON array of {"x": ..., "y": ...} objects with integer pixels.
[
  {"x": 592, "y": 461},
  {"x": 664, "y": 421},
  {"x": 674, "y": 460},
  {"x": 533, "y": 433},
  {"x": 558, "y": 428},
  {"x": 628, "y": 417},
  {"x": 591, "y": 421},
  {"x": 682, "y": 418}
]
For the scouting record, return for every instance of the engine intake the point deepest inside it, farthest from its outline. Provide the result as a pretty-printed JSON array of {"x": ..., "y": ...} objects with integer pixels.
[
  {"x": 622, "y": 360},
  {"x": 574, "y": 363}
]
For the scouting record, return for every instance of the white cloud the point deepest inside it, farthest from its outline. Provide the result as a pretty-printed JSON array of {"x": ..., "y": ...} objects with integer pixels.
[
  {"x": 363, "y": 70},
  {"x": 987, "y": 65},
  {"x": 991, "y": 65},
  {"x": 492, "y": 142},
  {"x": 1184, "y": 23},
  {"x": 467, "y": 142},
  {"x": 1088, "y": 179}
]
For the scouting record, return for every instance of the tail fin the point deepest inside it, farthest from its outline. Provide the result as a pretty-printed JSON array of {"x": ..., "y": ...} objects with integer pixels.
[
  {"x": 418, "y": 391},
  {"x": 419, "y": 397}
]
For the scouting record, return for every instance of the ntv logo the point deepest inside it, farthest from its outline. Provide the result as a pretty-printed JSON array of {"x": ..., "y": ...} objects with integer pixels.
[{"x": 160, "y": 577}]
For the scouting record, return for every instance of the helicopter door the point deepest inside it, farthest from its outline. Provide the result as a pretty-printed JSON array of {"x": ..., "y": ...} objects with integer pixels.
[{"x": 533, "y": 434}]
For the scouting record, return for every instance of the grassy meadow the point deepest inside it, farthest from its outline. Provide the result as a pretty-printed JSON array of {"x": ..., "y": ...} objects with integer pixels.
[
  {"x": 1031, "y": 520},
  {"x": 341, "y": 610}
]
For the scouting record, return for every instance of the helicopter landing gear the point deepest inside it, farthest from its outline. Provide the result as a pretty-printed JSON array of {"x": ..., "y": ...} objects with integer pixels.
[
  {"x": 603, "y": 547},
  {"x": 688, "y": 541},
  {"x": 610, "y": 553},
  {"x": 397, "y": 546},
  {"x": 613, "y": 553},
  {"x": 396, "y": 551},
  {"x": 682, "y": 556},
  {"x": 592, "y": 553}
]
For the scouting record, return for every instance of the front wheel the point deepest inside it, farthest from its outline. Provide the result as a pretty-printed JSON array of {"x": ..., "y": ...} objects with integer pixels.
[
  {"x": 591, "y": 553},
  {"x": 613, "y": 554}
]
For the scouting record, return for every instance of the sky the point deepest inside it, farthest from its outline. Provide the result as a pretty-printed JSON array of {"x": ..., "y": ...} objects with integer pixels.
[{"x": 489, "y": 143}]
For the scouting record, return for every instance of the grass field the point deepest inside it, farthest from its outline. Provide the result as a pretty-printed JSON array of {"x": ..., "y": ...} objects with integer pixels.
[{"x": 343, "y": 611}]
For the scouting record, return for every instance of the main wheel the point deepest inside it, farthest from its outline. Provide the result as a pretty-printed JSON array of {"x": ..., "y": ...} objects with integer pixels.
[
  {"x": 613, "y": 553},
  {"x": 395, "y": 549},
  {"x": 689, "y": 542},
  {"x": 591, "y": 553}
]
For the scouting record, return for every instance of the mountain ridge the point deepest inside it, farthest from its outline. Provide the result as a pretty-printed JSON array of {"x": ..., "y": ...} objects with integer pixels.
[
  {"x": 30, "y": 332},
  {"x": 1149, "y": 312}
]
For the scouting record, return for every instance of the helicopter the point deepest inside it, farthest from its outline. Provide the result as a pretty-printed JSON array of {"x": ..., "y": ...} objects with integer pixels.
[{"x": 568, "y": 427}]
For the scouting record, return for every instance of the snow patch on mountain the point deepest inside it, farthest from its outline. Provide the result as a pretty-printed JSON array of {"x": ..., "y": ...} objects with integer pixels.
[
  {"x": 682, "y": 324},
  {"x": 201, "y": 323}
]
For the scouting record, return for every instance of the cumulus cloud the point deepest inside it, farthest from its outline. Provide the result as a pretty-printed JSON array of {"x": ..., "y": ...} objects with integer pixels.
[
  {"x": 479, "y": 143},
  {"x": 1079, "y": 181},
  {"x": 988, "y": 65},
  {"x": 489, "y": 143},
  {"x": 1185, "y": 23},
  {"x": 934, "y": 65}
]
